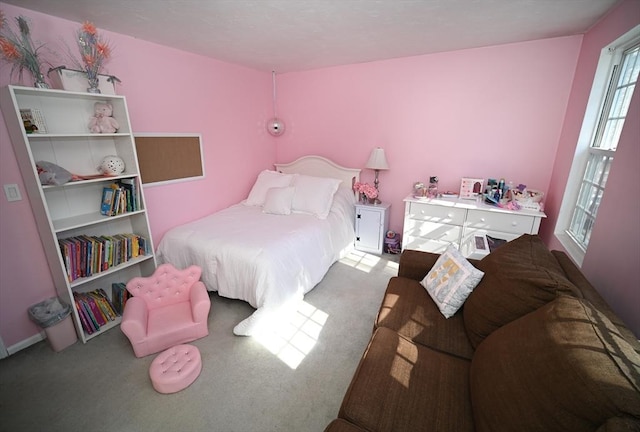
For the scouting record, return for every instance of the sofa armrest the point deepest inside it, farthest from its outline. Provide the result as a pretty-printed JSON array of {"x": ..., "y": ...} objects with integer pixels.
[
  {"x": 200, "y": 302},
  {"x": 134, "y": 319},
  {"x": 416, "y": 264}
]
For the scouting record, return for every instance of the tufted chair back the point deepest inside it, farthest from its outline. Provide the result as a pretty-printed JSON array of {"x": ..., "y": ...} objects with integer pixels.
[{"x": 166, "y": 286}]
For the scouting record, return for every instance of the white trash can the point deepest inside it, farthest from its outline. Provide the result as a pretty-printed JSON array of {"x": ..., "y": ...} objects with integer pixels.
[{"x": 54, "y": 317}]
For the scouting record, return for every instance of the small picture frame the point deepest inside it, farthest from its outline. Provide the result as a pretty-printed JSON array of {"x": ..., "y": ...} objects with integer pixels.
[
  {"x": 33, "y": 121},
  {"x": 470, "y": 187}
]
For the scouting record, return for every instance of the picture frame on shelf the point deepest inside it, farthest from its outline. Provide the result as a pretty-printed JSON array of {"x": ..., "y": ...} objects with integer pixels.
[
  {"x": 33, "y": 121},
  {"x": 470, "y": 187}
]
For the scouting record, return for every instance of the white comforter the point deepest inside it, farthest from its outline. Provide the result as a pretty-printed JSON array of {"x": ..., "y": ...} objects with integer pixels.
[{"x": 269, "y": 261}]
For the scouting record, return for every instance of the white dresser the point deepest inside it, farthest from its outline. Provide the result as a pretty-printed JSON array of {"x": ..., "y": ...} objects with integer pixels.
[{"x": 432, "y": 224}]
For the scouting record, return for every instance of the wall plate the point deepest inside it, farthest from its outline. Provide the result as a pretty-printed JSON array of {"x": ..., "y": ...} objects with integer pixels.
[{"x": 12, "y": 192}]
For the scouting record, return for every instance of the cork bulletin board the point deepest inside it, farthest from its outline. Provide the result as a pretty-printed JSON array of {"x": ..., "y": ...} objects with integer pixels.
[{"x": 169, "y": 158}]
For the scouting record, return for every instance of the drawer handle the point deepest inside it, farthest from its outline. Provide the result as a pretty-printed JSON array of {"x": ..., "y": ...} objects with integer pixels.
[
  {"x": 450, "y": 215},
  {"x": 482, "y": 220},
  {"x": 514, "y": 223}
]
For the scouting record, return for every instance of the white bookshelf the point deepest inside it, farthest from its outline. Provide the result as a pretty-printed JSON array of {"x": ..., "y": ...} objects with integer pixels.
[{"x": 73, "y": 209}]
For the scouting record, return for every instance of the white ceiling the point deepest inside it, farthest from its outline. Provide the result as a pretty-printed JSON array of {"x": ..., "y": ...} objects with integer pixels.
[{"x": 294, "y": 35}]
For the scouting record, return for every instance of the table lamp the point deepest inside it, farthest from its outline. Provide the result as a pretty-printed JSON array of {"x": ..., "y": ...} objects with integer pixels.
[{"x": 377, "y": 161}]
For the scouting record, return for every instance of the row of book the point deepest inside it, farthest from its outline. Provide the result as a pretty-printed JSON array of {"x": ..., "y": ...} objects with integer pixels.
[
  {"x": 95, "y": 309},
  {"x": 120, "y": 197},
  {"x": 86, "y": 255}
]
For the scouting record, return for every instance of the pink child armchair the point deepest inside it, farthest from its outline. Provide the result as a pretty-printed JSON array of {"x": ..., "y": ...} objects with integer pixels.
[{"x": 168, "y": 308}]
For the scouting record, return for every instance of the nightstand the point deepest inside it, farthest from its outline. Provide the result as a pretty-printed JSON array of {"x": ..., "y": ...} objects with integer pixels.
[{"x": 371, "y": 225}]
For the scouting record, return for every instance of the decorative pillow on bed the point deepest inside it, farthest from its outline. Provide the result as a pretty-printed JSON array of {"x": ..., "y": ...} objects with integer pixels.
[
  {"x": 278, "y": 200},
  {"x": 450, "y": 281},
  {"x": 314, "y": 195},
  {"x": 265, "y": 181}
]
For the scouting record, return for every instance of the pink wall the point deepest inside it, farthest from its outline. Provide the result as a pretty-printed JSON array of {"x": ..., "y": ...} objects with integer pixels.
[
  {"x": 167, "y": 91},
  {"x": 488, "y": 112},
  {"x": 611, "y": 262}
]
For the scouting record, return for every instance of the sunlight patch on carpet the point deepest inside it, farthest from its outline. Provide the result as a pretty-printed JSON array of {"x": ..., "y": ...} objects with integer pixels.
[
  {"x": 292, "y": 340},
  {"x": 361, "y": 260}
]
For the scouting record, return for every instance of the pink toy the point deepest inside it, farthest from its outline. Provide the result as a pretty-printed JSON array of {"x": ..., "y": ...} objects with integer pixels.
[
  {"x": 102, "y": 121},
  {"x": 168, "y": 308}
]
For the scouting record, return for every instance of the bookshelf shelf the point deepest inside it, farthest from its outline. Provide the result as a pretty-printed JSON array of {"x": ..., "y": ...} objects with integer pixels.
[
  {"x": 75, "y": 183},
  {"x": 44, "y": 136},
  {"x": 72, "y": 211},
  {"x": 107, "y": 273},
  {"x": 84, "y": 220},
  {"x": 104, "y": 328}
]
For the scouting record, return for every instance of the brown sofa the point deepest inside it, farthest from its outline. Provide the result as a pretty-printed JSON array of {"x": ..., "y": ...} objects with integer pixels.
[{"x": 534, "y": 348}]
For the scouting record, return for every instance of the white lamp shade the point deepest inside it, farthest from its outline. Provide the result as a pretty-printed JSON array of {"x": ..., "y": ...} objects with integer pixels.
[{"x": 377, "y": 160}]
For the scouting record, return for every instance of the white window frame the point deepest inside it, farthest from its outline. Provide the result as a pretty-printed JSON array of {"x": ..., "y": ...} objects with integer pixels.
[{"x": 610, "y": 56}]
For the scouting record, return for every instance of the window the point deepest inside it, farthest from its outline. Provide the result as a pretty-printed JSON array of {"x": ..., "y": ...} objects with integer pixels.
[{"x": 607, "y": 108}]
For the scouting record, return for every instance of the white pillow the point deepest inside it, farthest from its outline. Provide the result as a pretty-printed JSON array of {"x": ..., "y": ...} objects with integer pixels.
[
  {"x": 450, "y": 281},
  {"x": 278, "y": 200},
  {"x": 265, "y": 181},
  {"x": 314, "y": 195}
]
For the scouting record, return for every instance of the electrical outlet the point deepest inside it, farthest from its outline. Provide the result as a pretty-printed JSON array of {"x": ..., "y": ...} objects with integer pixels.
[{"x": 12, "y": 192}]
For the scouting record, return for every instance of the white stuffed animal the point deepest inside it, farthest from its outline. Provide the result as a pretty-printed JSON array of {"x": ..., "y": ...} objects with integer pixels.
[{"x": 102, "y": 121}]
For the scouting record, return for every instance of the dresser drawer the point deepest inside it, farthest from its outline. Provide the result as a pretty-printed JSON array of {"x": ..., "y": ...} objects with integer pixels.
[
  {"x": 435, "y": 213},
  {"x": 504, "y": 222},
  {"x": 424, "y": 244},
  {"x": 432, "y": 230}
]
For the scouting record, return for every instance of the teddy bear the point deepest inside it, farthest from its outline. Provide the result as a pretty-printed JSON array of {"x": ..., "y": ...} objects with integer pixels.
[{"x": 102, "y": 121}]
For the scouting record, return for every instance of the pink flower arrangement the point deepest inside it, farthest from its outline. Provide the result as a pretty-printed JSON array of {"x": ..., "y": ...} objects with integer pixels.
[
  {"x": 366, "y": 189},
  {"x": 94, "y": 51},
  {"x": 19, "y": 49}
]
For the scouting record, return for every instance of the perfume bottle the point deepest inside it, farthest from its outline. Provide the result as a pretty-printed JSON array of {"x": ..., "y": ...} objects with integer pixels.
[{"x": 432, "y": 192}]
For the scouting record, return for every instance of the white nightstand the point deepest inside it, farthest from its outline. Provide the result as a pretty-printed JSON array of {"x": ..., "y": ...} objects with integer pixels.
[{"x": 371, "y": 225}]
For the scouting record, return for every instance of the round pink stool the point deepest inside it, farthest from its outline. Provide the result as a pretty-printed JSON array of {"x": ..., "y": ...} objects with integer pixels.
[{"x": 175, "y": 369}]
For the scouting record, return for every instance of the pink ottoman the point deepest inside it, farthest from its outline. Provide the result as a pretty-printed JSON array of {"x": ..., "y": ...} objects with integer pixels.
[{"x": 175, "y": 369}]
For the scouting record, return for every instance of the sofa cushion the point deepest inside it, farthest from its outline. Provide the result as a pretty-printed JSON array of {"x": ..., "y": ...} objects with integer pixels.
[
  {"x": 407, "y": 309},
  {"x": 563, "y": 367},
  {"x": 451, "y": 280},
  {"x": 520, "y": 276},
  {"x": 401, "y": 386}
]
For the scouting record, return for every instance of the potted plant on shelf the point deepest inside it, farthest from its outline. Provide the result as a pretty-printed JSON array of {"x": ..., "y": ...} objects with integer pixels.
[
  {"x": 94, "y": 52},
  {"x": 19, "y": 50}
]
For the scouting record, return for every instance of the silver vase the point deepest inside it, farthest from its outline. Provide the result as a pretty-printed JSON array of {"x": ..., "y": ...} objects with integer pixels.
[{"x": 94, "y": 83}]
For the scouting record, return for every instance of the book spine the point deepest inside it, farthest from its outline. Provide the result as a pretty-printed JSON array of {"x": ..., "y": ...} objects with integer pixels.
[{"x": 83, "y": 317}]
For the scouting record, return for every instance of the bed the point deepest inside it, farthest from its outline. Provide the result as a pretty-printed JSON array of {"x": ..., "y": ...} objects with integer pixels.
[{"x": 276, "y": 245}]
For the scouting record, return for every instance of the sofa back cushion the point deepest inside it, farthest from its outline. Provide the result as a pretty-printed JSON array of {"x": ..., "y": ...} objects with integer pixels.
[
  {"x": 563, "y": 367},
  {"x": 520, "y": 276}
]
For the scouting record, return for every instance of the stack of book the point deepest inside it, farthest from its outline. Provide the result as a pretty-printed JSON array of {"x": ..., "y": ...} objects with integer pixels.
[
  {"x": 120, "y": 197},
  {"x": 95, "y": 309},
  {"x": 86, "y": 255},
  {"x": 120, "y": 295}
]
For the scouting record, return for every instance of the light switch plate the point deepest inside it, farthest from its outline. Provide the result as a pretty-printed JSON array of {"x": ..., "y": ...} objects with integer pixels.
[{"x": 12, "y": 192}]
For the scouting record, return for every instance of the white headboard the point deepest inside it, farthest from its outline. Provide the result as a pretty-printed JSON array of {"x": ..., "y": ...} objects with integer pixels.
[{"x": 321, "y": 167}]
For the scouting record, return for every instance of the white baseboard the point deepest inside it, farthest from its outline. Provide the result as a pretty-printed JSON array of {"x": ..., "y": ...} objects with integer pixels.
[{"x": 26, "y": 343}]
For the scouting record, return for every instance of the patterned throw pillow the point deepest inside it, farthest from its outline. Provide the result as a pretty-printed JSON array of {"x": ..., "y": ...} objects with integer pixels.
[{"x": 451, "y": 280}]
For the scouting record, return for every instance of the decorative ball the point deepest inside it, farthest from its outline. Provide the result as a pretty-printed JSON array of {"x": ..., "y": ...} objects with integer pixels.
[
  {"x": 275, "y": 126},
  {"x": 111, "y": 165}
]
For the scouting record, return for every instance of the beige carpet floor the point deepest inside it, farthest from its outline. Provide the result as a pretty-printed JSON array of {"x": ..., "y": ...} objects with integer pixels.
[{"x": 290, "y": 382}]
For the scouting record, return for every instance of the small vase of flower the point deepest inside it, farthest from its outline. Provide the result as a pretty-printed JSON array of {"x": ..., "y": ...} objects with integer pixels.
[
  {"x": 20, "y": 50},
  {"x": 367, "y": 193},
  {"x": 94, "y": 52}
]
